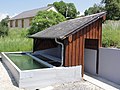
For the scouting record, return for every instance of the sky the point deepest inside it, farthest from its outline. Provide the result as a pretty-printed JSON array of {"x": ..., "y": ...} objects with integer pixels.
[{"x": 14, "y": 7}]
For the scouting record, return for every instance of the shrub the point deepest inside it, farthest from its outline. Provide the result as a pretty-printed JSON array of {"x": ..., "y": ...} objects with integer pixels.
[
  {"x": 3, "y": 30},
  {"x": 111, "y": 34},
  {"x": 4, "y": 26}
]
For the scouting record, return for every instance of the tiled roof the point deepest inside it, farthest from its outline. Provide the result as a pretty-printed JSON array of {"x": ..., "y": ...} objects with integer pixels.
[
  {"x": 30, "y": 13},
  {"x": 63, "y": 29}
]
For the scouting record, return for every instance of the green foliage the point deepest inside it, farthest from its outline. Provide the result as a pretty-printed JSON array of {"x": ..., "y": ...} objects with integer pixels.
[
  {"x": 68, "y": 10},
  {"x": 4, "y": 21},
  {"x": 4, "y": 27},
  {"x": 113, "y": 9},
  {"x": 16, "y": 41},
  {"x": 3, "y": 30},
  {"x": 45, "y": 19},
  {"x": 111, "y": 6},
  {"x": 111, "y": 34},
  {"x": 61, "y": 7},
  {"x": 72, "y": 12},
  {"x": 95, "y": 9}
]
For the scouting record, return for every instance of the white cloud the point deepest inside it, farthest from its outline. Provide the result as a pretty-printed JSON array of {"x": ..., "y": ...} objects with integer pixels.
[
  {"x": 3, "y": 15},
  {"x": 81, "y": 13},
  {"x": 13, "y": 15}
]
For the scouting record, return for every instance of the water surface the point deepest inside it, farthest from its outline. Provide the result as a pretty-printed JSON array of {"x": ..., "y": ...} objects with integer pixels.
[{"x": 25, "y": 62}]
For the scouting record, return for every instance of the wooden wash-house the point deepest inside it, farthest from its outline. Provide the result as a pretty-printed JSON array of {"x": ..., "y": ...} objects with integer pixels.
[{"x": 73, "y": 36}]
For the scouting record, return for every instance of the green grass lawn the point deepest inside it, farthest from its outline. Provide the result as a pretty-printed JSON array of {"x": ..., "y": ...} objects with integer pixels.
[
  {"x": 16, "y": 41},
  {"x": 111, "y": 34}
]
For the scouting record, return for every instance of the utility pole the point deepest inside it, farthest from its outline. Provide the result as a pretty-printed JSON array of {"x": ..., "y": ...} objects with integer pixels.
[{"x": 66, "y": 10}]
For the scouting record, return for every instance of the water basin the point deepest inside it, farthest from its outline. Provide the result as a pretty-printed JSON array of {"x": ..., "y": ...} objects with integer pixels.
[{"x": 31, "y": 72}]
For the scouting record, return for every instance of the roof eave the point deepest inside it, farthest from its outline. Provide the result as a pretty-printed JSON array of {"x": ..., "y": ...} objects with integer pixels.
[{"x": 44, "y": 37}]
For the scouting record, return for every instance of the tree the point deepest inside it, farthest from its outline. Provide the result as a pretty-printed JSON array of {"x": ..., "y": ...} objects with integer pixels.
[
  {"x": 68, "y": 10},
  {"x": 45, "y": 19},
  {"x": 61, "y": 7},
  {"x": 4, "y": 26},
  {"x": 111, "y": 6},
  {"x": 72, "y": 12},
  {"x": 4, "y": 21},
  {"x": 113, "y": 9},
  {"x": 95, "y": 9}
]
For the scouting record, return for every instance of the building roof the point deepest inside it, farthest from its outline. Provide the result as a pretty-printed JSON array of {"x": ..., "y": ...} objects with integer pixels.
[
  {"x": 63, "y": 29},
  {"x": 30, "y": 13}
]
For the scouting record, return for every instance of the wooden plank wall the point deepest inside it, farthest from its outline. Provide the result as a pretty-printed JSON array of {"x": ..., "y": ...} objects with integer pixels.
[
  {"x": 42, "y": 44},
  {"x": 75, "y": 44}
]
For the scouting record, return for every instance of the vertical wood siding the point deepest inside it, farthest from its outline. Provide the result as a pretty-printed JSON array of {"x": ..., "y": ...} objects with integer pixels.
[
  {"x": 75, "y": 44},
  {"x": 41, "y": 44}
]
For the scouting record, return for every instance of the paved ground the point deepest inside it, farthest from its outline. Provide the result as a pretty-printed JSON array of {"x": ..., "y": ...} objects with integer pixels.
[
  {"x": 8, "y": 83},
  {"x": 6, "y": 80},
  {"x": 83, "y": 85}
]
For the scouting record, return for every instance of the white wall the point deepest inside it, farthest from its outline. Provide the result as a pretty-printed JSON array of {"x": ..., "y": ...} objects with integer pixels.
[
  {"x": 20, "y": 23},
  {"x": 90, "y": 61},
  {"x": 26, "y": 23},
  {"x": 14, "y": 70},
  {"x": 13, "y": 24},
  {"x": 109, "y": 64},
  {"x": 45, "y": 77}
]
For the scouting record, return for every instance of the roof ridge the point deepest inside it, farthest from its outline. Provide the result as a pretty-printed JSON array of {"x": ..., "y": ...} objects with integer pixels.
[
  {"x": 86, "y": 16},
  {"x": 91, "y": 15},
  {"x": 37, "y": 8}
]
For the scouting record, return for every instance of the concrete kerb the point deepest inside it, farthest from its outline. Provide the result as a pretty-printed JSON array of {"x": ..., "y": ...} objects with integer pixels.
[{"x": 103, "y": 83}]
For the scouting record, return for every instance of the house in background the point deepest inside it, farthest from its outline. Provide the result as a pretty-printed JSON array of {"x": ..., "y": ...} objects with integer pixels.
[{"x": 23, "y": 20}]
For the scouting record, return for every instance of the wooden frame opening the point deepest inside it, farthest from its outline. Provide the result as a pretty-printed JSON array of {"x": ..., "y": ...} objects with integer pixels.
[{"x": 93, "y": 44}]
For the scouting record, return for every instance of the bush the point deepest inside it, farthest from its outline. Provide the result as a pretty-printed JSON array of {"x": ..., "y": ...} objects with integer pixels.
[
  {"x": 45, "y": 19},
  {"x": 111, "y": 34},
  {"x": 4, "y": 26},
  {"x": 3, "y": 30}
]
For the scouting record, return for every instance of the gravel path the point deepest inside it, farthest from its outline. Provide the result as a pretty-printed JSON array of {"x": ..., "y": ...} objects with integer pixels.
[
  {"x": 8, "y": 83},
  {"x": 83, "y": 85}
]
